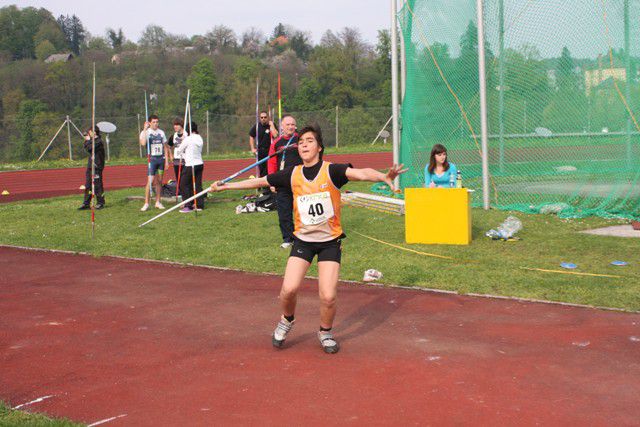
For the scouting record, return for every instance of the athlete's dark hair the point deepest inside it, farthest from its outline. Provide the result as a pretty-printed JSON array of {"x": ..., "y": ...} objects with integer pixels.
[
  {"x": 194, "y": 127},
  {"x": 153, "y": 116},
  {"x": 317, "y": 133},
  {"x": 178, "y": 121}
]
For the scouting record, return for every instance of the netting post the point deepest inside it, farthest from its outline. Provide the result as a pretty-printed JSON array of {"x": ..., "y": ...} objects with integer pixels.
[
  {"x": 501, "y": 81},
  {"x": 627, "y": 61},
  {"x": 336, "y": 126},
  {"x": 394, "y": 85},
  {"x": 483, "y": 106},
  {"x": 69, "y": 138},
  {"x": 207, "y": 132},
  {"x": 403, "y": 65}
]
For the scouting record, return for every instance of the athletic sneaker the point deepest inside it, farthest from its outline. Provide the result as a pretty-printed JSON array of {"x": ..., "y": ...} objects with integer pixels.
[
  {"x": 145, "y": 207},
  {"x": 159, "y": 205},
  {"x": 186, "y": 209},
  {"x": 280, "y": 334},
  {"x": 84, "y": 207},
  {"x": 286, "y": 245},
  {"x": 329, "y": 344}
]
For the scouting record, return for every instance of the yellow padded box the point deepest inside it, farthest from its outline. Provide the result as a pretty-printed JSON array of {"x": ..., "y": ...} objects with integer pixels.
[{"x": 437, "y": 215}]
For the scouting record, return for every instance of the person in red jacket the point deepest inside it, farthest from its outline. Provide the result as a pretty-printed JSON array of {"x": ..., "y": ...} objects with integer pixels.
[{"x": 287, "y": 158}]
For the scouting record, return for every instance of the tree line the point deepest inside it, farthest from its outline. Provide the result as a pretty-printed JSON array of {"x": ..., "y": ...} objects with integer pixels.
[{"x": 220, "y": 67}]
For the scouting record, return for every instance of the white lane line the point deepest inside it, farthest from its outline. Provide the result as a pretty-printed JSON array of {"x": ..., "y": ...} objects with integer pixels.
[
  {"x": 106, "y": 420},
  {"x": 40, "y": 399}
]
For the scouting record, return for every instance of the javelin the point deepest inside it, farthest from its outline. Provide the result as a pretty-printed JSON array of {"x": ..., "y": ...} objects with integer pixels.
[
  {"x": 146, "y": 136},
  {"x": 227, "y": 179},
  {"x": 184, "y": 131},
  {"x": 257, "y": 138},
  {"x": 92, "y": 201},
  {"x": 279, "y": 105}
]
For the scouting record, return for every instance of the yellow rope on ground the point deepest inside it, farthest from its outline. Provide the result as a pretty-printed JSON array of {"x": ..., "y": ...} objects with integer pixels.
[
  {"x": 576, "y": 273},
  {"x": 405, "y": 249}
]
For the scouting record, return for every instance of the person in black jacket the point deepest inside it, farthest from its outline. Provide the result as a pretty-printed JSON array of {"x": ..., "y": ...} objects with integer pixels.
[{"x": 98, "y": 172}]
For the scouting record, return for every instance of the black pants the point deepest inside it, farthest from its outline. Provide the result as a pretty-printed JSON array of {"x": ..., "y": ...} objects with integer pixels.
[
  {"x": 186, "y": 185},
  {"x": 263, "y": 166},
  {"x": 99, "y": 183},
  {"x": 284, "y": 200}
]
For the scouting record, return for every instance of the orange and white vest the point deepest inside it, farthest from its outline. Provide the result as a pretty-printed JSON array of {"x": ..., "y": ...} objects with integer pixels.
[{"x": 316, "y": 206}]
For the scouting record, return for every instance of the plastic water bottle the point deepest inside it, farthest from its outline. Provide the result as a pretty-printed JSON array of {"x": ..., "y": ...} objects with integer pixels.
[
  {"x": 459, "y": 180},
  {"x": 509, "y": 227},
  {"x": 452, "y": 180}
]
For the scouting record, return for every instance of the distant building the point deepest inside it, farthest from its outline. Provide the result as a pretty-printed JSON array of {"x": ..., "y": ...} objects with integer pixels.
[
  {"x": 119, "y": 57},
  {"x": 596, "y": 78},
  {"x": 59, "y": 57}
]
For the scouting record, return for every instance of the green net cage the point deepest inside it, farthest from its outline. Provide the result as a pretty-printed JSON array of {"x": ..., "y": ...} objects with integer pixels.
[{"x": 563, "y": 98}]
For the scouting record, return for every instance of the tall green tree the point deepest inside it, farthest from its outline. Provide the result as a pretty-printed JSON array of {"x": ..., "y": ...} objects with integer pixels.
[
  {"x": 204, "y": 86},
  {"x": 74, "y": 32},
  {"x": 18, "y": 28},
  {"x": 116, "y": 39},
  {"x": 27, "y": 112}
]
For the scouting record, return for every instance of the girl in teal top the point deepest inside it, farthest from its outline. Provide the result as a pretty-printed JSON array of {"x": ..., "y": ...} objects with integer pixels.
[{"x": 439, "y": 171}]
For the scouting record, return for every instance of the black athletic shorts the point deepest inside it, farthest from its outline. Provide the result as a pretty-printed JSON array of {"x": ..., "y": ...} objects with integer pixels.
[{"x": 326, "y": 251}]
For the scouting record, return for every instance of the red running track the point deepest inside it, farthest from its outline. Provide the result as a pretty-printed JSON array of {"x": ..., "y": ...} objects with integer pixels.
[
  {"x": 38, "y": 184},
  {"x": 164, "y": 345}
]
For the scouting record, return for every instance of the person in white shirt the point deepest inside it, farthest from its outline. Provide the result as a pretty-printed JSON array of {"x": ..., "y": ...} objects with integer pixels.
[{"x": 190, "y": 150}]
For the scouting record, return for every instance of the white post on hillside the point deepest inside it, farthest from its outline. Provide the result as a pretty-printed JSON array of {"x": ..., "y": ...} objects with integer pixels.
[
  {"x": 207, "y": 132},
  {"x": 394, "y": 86},
  {"x": 483, "y": 107},
  {"x": 139, "y": 130},
  {"x": 337, "y": 126},
  {"x": 69, "y": 138}
]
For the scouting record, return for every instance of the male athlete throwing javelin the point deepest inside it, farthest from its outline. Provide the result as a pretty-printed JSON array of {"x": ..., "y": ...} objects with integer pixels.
[{"x": 316, "y": 209}]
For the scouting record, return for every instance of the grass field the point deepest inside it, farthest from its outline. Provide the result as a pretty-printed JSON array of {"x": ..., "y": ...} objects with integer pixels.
[
  {"x": 9, "y": 417},
  {"x": 82, "y": 162},
  {"x": 219, "y": 237}
]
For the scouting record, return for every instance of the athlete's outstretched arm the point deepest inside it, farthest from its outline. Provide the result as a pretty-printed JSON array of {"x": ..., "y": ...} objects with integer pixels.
[
  {"x": 240, "y": 185},
  {"x": 373, "y": 175}
]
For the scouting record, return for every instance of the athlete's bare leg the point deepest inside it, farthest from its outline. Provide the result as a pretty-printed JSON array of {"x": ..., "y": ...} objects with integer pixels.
[
  {"x": 293, "y": 276},
  {"x": 328, "y": 272}
]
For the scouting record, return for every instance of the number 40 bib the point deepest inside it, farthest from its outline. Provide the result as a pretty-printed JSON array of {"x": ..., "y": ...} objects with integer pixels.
[{"x": 315, "y": 208}]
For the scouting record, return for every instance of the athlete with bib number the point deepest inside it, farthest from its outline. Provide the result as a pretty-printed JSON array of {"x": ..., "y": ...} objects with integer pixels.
[
  {"x": 156, "y": 142},
  {"x": 318, "y": 232}
]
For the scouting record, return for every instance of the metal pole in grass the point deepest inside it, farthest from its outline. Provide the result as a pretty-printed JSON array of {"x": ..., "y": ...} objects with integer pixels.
[
  {"x": 483, "y": 106},
  {"x": 207, "y": 132},
  {"x": 394, "y": 86},
  {"x": 227, "y": 179},
  {"x": 69, "y": 138}
]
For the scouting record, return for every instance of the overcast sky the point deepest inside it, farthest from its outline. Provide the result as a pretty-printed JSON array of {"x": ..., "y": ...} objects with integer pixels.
[{"x": 191, "y": 17}]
